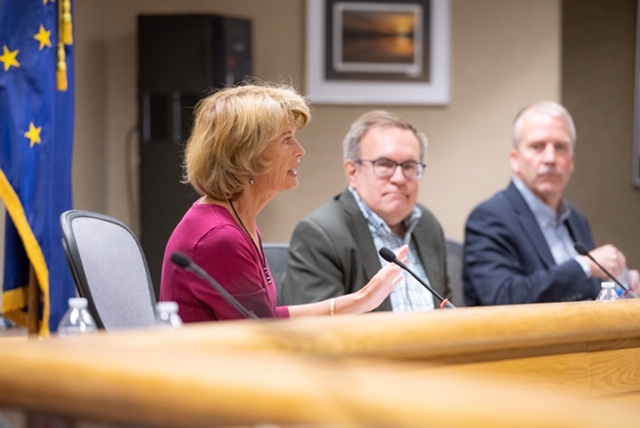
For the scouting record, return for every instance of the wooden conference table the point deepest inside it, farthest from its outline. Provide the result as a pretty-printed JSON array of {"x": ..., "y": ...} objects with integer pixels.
[{"x": 546, "y": 365}]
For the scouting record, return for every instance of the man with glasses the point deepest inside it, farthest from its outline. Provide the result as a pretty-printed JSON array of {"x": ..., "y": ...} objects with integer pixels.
[{"x": 334, "y": 250}]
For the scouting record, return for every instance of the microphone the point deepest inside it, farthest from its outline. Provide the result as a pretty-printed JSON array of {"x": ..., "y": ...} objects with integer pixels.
[
  {"x": 390, "y": 256},
  {"x": 582, "y": 250},
  {"x": 185, "y": 262}
]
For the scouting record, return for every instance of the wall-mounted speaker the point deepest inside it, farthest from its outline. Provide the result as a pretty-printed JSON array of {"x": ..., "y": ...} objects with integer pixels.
[{"x": 181, "y": 58}]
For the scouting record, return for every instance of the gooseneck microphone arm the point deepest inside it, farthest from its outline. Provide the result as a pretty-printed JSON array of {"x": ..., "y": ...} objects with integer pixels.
[
  {"x": 185, "y": 262},
  {"x": 390, "y": 256},
  {"x": 582, "y": 250}
]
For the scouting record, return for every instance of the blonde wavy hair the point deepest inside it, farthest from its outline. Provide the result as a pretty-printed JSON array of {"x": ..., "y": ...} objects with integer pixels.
[{"x": 232, "y": 128}]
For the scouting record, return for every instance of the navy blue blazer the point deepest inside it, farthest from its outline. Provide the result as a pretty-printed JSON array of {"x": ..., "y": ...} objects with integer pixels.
[{"x": 507, "y": 260}]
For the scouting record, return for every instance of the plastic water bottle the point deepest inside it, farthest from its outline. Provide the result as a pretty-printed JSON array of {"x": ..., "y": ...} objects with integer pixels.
[
  {"x": 608, "y": 292},
  {"x": 167, "y": 315},
  {"x": 77, "y": 320}
]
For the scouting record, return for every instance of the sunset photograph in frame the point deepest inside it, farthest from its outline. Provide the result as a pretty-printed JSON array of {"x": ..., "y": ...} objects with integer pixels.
[
  {"x": 378, "y": 52},
  {"x": 378, "y": 40}
]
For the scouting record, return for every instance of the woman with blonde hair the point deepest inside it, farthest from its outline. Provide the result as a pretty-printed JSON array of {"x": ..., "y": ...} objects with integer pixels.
[{"x": 242, "y": 152}]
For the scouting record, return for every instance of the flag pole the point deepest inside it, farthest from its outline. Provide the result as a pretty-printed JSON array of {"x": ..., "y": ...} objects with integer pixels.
[{"x": 33, "y": 296}]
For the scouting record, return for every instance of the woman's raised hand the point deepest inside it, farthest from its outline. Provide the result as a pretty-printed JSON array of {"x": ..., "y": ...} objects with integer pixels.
[{"x": 387, "y": 278}]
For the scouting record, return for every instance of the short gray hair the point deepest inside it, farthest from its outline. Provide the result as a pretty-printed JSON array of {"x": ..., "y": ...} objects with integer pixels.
[
  {"x": 548, "y": 108},
  {"x": 375, "y": 119}
]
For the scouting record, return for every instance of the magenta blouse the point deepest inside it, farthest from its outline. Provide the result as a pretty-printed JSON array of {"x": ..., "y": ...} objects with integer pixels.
[{"x": 210, "y": 235}]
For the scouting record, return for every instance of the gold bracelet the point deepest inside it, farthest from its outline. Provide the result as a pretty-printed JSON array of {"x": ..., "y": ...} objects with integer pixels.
[{"x": 332, "y": 306}]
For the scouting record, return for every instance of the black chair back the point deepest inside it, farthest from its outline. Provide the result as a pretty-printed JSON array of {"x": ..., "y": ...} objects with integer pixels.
[
  {"x": 109, "y": 269},
  {"x": 454, "y": 270},
  {"x": 277, "y": 254}
]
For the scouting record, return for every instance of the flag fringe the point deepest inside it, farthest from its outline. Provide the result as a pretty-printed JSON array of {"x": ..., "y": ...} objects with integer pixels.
[
  {"x": 66, "y": 25},
  {"x": 31, "y": 245},
  {"x": 63, "y": 83},
  {"x": 66, "y": 38}
]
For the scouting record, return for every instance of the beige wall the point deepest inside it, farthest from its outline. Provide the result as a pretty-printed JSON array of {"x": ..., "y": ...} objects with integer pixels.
[
  {"x": 497, "y": 47},
  {"x": 504, "y": 53}
]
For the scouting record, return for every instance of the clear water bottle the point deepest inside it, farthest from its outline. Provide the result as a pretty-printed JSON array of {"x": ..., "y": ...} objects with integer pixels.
[
  {"x": 608, "y": 292},
  {"x": 77, "y": 320},
  {"x": 167, "y": 315}
]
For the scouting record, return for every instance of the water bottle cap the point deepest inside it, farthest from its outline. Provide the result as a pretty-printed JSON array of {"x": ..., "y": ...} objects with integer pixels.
[
  {"x": 167, "y": 307},
  {"x": 77, "y": 302},
  {"x": 608, "y": 284}
]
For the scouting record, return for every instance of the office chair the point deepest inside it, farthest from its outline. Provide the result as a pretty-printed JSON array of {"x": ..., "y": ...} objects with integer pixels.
[
  {"x": 454, "y": 271},
  {"x": 277, "y": 255},
  {"x": 110, "y": 270}
]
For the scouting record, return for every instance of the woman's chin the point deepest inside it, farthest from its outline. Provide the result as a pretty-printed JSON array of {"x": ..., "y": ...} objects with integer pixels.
[{"x": 292, "y": 183}]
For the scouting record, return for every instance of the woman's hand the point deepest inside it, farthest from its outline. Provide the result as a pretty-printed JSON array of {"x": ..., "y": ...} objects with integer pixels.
[
  {"x": 387, "y": 278},
  {"x": 364, "y": 300}
]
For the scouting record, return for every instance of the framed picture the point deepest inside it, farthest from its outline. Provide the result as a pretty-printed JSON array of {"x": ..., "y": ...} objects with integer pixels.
[{"x": 378, "y": 52}]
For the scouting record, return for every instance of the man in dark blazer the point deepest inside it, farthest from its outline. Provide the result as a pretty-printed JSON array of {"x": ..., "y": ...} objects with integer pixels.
[
  {"x": 334, "y": 250},
  {"x": 519, "y": 245}
]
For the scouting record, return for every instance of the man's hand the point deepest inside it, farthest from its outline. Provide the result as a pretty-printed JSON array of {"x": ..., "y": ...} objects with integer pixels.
[
  {"x": 610, "y": 258},
  {"x": 634, "y": 283}
]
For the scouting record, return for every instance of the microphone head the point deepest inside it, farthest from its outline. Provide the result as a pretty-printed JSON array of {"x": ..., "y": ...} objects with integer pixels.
[
  {"x": 581, "y": 249},
  {"x": 387, "y": 254},
  {"x": 181, "y": 259}
]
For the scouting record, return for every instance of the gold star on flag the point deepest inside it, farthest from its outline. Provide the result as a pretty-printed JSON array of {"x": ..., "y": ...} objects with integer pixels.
[
  {"x": 46, "y": 1},
  {"x": 9, "y": 58},
  {"x": 33, "y": 134},
  {"x": 44, "y": 37}
]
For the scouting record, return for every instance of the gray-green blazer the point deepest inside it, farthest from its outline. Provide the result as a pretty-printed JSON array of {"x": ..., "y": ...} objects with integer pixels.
[{"x": 332, "y": 253}]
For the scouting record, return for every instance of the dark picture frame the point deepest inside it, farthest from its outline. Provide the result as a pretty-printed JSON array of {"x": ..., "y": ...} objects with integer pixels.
[{"x": 378, "y": 52}]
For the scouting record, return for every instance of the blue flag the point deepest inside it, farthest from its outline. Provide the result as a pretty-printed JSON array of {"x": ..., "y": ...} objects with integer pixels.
[{"x": 36, "y": 148}]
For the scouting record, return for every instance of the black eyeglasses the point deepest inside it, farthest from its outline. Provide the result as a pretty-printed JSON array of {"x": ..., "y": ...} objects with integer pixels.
[{"x": 385, "y": 168}]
